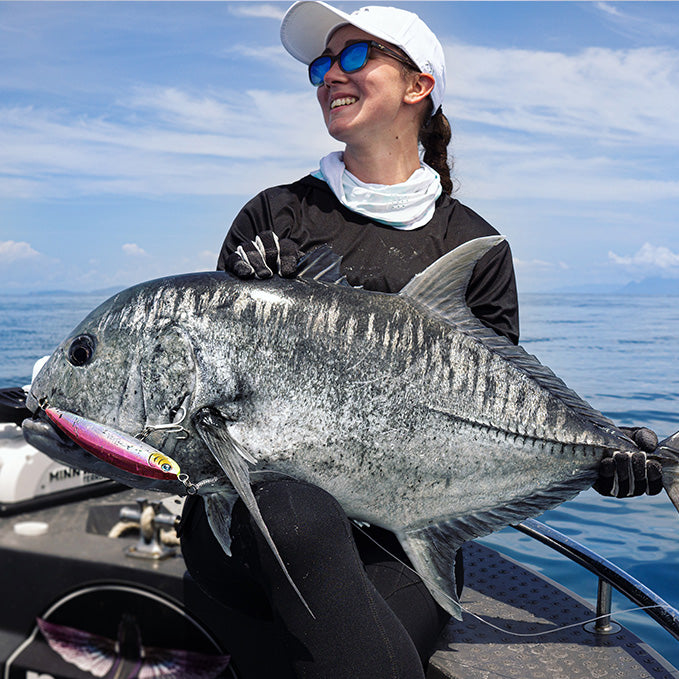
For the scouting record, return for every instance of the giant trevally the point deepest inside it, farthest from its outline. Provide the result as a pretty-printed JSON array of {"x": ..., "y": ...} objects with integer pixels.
[{"x": 405, "y": 407}]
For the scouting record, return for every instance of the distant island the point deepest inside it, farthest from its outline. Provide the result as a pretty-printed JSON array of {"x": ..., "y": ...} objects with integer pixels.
[
  {"x": 652, "y": 286},
  {"x": 647, "y": 286},
  {"x": 103, "y": 291}
]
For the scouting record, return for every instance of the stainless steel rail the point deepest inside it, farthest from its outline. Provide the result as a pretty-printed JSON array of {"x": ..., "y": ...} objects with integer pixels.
[{"x": 663, "y": 613}]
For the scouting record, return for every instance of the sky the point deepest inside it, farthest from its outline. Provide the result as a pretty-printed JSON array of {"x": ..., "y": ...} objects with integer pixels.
[{"x": 131, "y": 134}]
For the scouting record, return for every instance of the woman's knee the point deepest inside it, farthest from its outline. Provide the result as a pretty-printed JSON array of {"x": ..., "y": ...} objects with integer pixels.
[{"x": 302, "y": 518}]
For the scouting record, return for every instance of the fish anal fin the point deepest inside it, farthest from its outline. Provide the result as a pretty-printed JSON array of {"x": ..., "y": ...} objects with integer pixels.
[
  {"x": 432, "y": 551},
  {"x": 432, "y": 547},
  {"x": 214, "y": 431}
]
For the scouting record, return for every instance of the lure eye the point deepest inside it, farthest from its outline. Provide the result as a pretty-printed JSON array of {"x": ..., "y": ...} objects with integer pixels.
[
  {"x": 81, "y": 350},
  {"x": 166, "y": 467}
]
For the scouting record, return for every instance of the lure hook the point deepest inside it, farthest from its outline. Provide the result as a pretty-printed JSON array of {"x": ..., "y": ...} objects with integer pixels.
[{"x": 169, "y": 428}]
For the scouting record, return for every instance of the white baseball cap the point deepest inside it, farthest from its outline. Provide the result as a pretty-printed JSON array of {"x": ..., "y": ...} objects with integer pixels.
[{"x": 308, "y": 25}]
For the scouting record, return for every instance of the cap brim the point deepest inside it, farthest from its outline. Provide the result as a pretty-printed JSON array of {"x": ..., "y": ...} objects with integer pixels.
[{"x": 306, "y": 26}]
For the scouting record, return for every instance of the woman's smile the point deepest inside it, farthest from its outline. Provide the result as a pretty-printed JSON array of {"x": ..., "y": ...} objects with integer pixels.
[{"x": 342, "y": 101}]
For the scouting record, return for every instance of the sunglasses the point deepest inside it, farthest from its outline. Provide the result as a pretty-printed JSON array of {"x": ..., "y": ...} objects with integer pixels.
[{"x": 351, "y": 59}]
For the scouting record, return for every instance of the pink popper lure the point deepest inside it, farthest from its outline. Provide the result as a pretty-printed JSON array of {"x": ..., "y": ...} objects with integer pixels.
[{"x": 115, "y": 447}]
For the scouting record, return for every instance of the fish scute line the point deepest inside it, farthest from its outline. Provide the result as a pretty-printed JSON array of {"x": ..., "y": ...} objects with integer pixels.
[{"x": 560, "y": 446}]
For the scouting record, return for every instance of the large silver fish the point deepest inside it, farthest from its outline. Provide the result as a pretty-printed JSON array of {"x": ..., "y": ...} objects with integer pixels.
[{"x": 407, "y": 409}]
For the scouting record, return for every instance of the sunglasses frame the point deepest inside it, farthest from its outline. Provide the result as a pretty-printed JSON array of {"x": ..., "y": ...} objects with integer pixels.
[{"x": 371, "y": 44}]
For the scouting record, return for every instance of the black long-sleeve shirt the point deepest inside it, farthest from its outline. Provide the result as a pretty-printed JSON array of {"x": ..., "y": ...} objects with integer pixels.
[{"x": 380, "y": 257}]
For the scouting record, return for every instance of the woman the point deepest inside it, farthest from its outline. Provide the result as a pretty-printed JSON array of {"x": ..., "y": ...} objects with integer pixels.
[{"x": 380, "y": 79}]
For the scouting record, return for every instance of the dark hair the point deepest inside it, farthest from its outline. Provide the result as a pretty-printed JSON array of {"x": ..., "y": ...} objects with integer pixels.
[{"x": 435, "y": 136}]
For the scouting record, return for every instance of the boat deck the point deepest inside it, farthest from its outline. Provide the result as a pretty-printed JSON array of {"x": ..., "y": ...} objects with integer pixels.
[
  {"x": 514, "y": 598},
  {"x": 74, "y": 551}
]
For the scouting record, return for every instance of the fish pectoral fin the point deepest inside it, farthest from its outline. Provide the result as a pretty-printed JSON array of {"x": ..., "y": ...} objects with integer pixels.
[
  {"x": 432, "y": 550},
  {"x": 214, "y": 431},
  {"x": 240, "y": 449}
]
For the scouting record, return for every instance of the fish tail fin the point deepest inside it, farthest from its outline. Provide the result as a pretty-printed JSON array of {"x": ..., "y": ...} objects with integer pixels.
[
  {"x": 668, "y": 454},
  {"x": 432, "y": 551}
]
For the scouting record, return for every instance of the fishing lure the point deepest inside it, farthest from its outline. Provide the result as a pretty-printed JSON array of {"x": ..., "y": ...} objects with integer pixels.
[{"x": 115, "y": 447}]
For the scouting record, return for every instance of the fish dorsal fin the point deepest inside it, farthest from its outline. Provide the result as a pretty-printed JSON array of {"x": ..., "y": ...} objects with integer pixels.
[
  {"x": 322, "y": 264},
  {"x": 442, "y": 287}
]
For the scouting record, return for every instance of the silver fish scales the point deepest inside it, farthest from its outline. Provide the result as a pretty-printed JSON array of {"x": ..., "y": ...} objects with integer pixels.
[{"x": 414, "y": 415}]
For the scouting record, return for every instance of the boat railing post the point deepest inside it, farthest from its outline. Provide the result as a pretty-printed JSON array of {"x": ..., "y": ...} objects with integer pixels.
[
  {"x": 609, "y": 576},
  {"x": 603, "y": 624}
]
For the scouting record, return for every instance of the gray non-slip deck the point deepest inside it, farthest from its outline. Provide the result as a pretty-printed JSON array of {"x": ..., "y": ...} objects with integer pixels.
[
  {"x": 497, "y": 588},
  {"x": 514, "y": 598}
]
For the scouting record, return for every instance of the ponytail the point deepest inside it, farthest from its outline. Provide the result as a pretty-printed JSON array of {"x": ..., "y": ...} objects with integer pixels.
[{"x": 435, "y": 136}]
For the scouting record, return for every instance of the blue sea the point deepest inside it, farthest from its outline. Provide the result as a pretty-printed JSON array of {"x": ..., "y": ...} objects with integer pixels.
[{"x": 618, "y": 352}]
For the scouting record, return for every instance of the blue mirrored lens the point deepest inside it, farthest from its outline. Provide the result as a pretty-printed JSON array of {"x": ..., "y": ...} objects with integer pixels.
[
  {"x": 352, "y": 58},
  {"x": 317, "y": 70}
]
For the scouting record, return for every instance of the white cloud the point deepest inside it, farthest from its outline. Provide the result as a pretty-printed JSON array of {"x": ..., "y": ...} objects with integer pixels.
[
  {"x": 590, "y": 126},
  {"x": 608, "y": 8},
  {"x": 620, "y": 96},
  {"x": 166, "y": 141},
  {"x": 12, "y": 251},
  {"x": 133, "y": 250},
  {"x": 597, "y": 125},
  {"x": 275, "y": 54},
  {"x": 636, "y": 24},
  {"x": 649, "y": 258},
  {"x": 538, "y": 265},
  {"x": 258, "y": 10}
]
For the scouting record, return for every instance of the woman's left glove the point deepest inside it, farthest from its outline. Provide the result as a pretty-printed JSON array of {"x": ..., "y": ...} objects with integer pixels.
[
  {"x": 263, "y": 257},
  {"x": 631, "y": 474}
]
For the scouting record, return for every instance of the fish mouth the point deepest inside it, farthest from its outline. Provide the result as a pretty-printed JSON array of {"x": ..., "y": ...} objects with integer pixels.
[
  {"x": 42, "y": 435},
  {"x": 39, "y": 432},
  {"x": 32, "y": 403}
]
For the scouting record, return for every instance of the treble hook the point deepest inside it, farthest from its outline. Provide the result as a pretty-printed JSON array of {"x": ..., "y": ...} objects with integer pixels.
[{"x": 170, "y": 428}]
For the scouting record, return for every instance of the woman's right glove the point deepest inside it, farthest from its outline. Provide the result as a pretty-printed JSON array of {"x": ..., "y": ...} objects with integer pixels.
[{"x": 265, "y": 256}]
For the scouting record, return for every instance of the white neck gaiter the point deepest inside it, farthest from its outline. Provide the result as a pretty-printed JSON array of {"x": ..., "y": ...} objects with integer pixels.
[{"x": 406, "y": 206}]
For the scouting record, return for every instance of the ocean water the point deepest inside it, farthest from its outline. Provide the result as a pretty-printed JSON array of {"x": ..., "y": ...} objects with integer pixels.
[
  {"x": 32, "y": 326},
  {"x": 618, "y": 352}
]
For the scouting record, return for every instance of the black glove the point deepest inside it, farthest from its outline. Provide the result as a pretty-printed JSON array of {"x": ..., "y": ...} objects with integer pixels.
[
  {"x": 631, "y": 474},
  {"x": 265, "y": 256}
]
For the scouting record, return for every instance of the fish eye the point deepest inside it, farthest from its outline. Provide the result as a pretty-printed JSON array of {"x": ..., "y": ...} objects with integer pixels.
[{"x": 81, "y": 350}]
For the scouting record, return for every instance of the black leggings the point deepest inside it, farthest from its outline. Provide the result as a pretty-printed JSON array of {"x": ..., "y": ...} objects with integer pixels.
[{"x": 374, "y": 618}]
